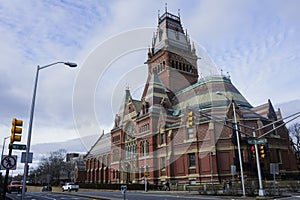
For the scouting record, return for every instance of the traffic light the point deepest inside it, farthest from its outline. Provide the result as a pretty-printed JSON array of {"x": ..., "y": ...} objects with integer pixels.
[
  {"x": 252, "y": 152},
  {"x": 191, "y": 118},
  {"x": 16, "y": 130},
  {"x": 262, "y": 151}
]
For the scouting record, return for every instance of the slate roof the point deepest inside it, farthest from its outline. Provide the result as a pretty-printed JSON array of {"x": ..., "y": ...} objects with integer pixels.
[
  {"x": 204, "y": 94},
  {"x": 101, "y": 146},
  {"x": 156, "y": 92}
]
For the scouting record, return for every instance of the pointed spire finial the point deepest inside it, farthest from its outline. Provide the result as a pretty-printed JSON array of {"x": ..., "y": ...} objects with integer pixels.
[
  {"x": 179, "y": 13},
  {"x": 127, "y": 86},
  {"x": 193, "y": 48},
  {"x": 158, "y": 12},
  {"x": 166, "y": 7},
  {"x": 228, "y": 75}
]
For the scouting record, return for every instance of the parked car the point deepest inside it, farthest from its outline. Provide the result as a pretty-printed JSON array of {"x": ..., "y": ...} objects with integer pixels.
[
  {"x": 47, "y": 188},
  {"x": 15, "y": 186},
  {"x": 69, "y": 187}
]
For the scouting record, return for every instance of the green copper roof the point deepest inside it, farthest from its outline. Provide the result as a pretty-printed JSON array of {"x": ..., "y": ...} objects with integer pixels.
[{"x": 204, "y": 94}]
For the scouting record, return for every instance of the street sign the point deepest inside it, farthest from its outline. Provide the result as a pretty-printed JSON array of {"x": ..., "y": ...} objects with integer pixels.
[
  {"x": 261, "y": 141},
  {"x": 233, "y": 169},
  {"x": 19, "y": 146},
  {"x": 123, "y": 189},
  {"x": 9, "y": 162},
  {"x": 257, "y": 141},
  {"x": 23, "y": 157},
  {"x": 274, "y": 168}
]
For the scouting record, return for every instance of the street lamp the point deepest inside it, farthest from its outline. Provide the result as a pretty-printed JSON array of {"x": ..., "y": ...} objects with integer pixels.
[
  {"x": 238, "y": 142},
  {"x": 31, "y": 117}
]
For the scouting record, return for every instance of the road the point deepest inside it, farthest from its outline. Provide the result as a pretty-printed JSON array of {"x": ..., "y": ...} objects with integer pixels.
[
  {"x": 137, "y": 195},
  {"x": 117, "y": 195},
  {"x": 114, "y": 195},
  {"x": 44, "y": 196}
]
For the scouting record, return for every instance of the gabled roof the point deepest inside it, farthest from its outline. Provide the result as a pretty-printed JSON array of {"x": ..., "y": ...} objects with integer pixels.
[
  {"x": 137, "y": 105},
  {"x": 101, "y": 146},
  {"x": 156, "y": 92},
  {"x": 123, "y": 106},
  {"x": 266, "y": 110}
]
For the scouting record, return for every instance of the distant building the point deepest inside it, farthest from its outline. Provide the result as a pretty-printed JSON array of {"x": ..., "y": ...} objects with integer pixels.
[
  {"x": 79, "y": 169},
  {"x": 71, "y": 156},
  {"x": 183, "y": 128}
]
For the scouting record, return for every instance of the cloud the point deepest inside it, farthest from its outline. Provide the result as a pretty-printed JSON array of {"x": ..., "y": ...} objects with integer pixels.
[
  {"x": 38, "y": 33},
  {"x": 256, "y": 42}
]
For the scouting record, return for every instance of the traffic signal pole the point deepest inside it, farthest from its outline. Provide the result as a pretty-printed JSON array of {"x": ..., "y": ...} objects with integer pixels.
[
  {"x": 6, "y": 174},
  {"x": 16, "y": 131},
  {"x": 261, "y": 191}
]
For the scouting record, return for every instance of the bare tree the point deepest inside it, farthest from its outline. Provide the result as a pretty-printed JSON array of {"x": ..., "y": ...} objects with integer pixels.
[
  {"x": 294, "y": 131},
  {"x": 54, "y": 166}
]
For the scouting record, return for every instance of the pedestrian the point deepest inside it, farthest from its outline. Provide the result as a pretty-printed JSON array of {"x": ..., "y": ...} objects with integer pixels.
[
  {"x": 224, "y": 185},
  {"x": 167, "y": 186}
]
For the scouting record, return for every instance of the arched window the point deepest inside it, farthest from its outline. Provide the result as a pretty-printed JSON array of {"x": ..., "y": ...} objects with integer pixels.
[
  {"x": 142, "y": 148},
  {"x": 147, "y": 148}
]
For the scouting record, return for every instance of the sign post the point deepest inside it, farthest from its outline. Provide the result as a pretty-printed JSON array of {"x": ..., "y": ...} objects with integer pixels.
[
  {"x": 274, "y": 169},
  {"x": 233, "y": 172},
  {"x": 7, "y": 161},
  {"x": 124, "y": 189}
]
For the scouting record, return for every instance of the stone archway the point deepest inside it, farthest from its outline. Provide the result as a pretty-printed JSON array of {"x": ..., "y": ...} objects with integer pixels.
[{"x": 126, "y": 173}]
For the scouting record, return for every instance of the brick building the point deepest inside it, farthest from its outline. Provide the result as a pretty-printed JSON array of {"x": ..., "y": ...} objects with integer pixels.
[{"x": 182, "y": 128}]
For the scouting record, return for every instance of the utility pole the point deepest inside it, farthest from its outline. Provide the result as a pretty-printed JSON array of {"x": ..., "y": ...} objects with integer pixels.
[{"x": 6, "y": 174}]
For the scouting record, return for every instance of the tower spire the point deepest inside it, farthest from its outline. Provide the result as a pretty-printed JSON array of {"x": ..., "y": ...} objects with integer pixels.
[
  {"x": 166, "y": 7},
  {"x": 177, "y": 55}
]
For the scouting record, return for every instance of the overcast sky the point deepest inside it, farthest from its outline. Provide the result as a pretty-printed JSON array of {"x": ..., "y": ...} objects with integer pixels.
[{"x": 256, "y": 41}]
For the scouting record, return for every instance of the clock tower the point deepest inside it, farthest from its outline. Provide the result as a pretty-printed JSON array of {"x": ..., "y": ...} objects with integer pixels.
[{"x": 171, "y": 55}]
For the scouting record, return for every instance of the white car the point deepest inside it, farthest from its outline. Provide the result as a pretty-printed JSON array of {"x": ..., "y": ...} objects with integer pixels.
[{"x": 69, "y": 187}]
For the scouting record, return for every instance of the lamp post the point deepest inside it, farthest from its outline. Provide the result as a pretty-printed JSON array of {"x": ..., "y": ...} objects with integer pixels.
[
  {"x": 238, "y": 142},
  {"x": 31, "y": 118}
]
